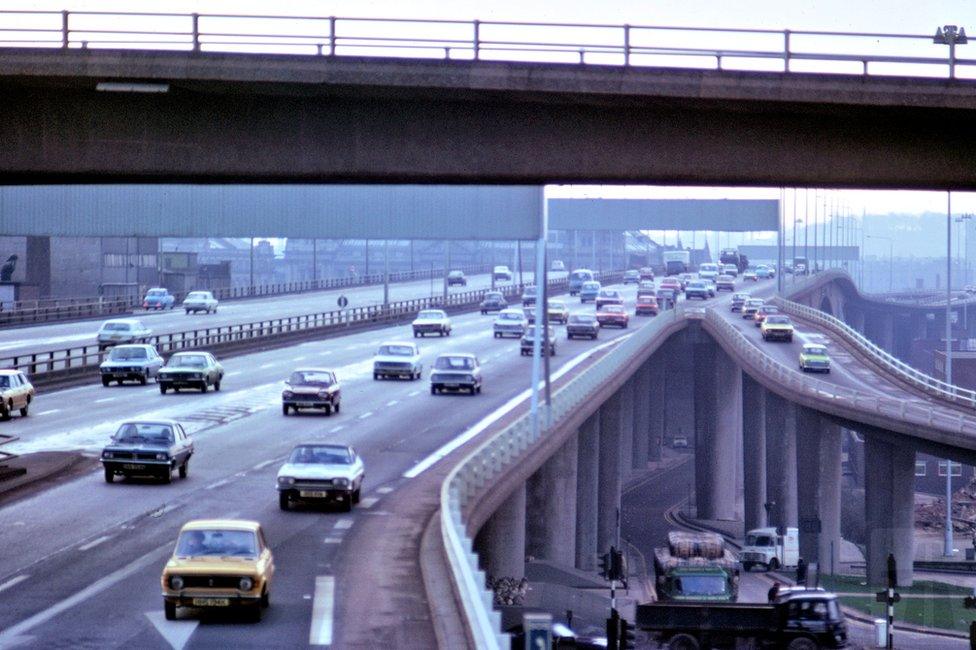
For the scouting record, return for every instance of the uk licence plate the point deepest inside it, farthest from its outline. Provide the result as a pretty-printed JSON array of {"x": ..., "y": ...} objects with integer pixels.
[
  {"x": 133, "y": 466},
  {"x": 211, "y": 602},
  {"x": 306, "y": 404},
  {"x": 312, "y": 494},
  {"x": 452, "y": 385}
]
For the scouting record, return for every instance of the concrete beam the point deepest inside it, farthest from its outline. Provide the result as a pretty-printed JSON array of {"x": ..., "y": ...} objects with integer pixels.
[
  {"x": 781, "y": 461},
  {"x": 550, "y": 532},
  {"x": 754, "y": 453},
  {"x": 587, "y": 499},
  {"x": 501, "y": 541},
  {"x": 818, "y": 489},
  {"x": 889, "y": 501},
  {"x": 611, "y": 430}
]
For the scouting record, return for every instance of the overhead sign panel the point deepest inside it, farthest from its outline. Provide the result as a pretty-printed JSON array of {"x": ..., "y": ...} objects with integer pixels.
[
  {"x": 301, "y": 211},
  {"x": 727, "y": 215}
]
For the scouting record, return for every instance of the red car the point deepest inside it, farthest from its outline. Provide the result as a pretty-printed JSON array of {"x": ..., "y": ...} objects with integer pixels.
[
  {"x": 646, "y": 304},
  {"x": 671, "y": 283},
  {"x": 614, "y": 315}
]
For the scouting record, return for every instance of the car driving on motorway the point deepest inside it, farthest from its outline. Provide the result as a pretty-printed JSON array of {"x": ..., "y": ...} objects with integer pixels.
[
  {"x": 190, "y": 370},
  {"x": 814, "y": 358},
  {"x": 696, "y": 289},
  {"x": 751, "y": 306},
  {"x": 455, "y": 372},
  {"x": 666, "y": 297},
  {"x": 646, "y": 273},
  {"x": 16, "y": 393},
  {"x": 528, "y": 295},
  {"x": 456, "y": 278},
  {"x": 577, "y": 278},
  {"x": 122, "y": 330},
  {"x": 646, "y": 304},
  {"x": 158, "y": 298},
  {"x": 729, "y": 269},
  {"x": 613, "y": 314},
  {"x": 321, "y": 472},
  {"x": 197, "y": 301},
  {"x": 432, "y": 321},
  {"x": 646, "y": 285},
  {"x": 526, "y": 345},
  {"x": 725, "y": 283},
  {"x": 763, "y": 312},
  {"x": 608, "y": 297},
  {"x": 558, "y": 312},
  {"x": 777, "y": 327},
  {"x": 493, "y": 301},
  {"x": 750, "y": 276},
  {"x": 509, "y": 322},
  {"x": 631, "y": 276},
  {"x": 763, "y": 272},
  {"x": 130, "y": 362},
  {"x": 738, "y": 301},
  {"x": 219, "y": 564},
  {"x": 589, "y": 291},
  {"x": 582, "y": 325},
  {"x": 311, "y": 388},
  {"x": 501, "y": 273},
  {"x": 399, "y": 360},
  {"x": 148, "y": 448}
]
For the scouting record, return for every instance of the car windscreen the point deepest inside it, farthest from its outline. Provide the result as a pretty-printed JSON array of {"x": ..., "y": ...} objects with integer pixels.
[
  {"x": 700, "y": 585},
  {"x": 156, "y": 292},
  {"x": 814, "y": 349},
  {"x": 127, "y": 354},
  {"x": 778, "y": 320},
  {"x": 144, "y": 433},
  {"x": 196, "y": 295},
  {"x": 4, "y": 381},
  {"x": 493, "y": 296},
  {"x": 320, "y": 455},
  {"x": 194, "y": 543},
  {"x": 557, "y": 306},
  {"x": 116, "y": 327},
  {"x": 310, "y": 378},
  {"x": 187, "y": 361},
  {"x": 396, "y": 350},
  {"x": 511, "y": 316},
  {"x": 580, "y": 275},
  {"x": 584, "y": 319},
  {"x": 591, "y": 286},
  {"x": 455, "y": 274},
  {"x": 454, "y": 363},
  {"x": 759, "y": 540},
  {"x": 696, "y": 285},
  {"x": 431, "y": 314}
]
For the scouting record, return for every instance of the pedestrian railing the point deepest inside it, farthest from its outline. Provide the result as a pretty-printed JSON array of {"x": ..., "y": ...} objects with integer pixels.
[{"x": 859, "y": 53}]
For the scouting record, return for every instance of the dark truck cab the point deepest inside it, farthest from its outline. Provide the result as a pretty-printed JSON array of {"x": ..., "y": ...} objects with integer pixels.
[{"x": 799, "y": 619}]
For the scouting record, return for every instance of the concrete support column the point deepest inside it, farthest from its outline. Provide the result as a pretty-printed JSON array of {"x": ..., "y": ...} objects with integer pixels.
[
  {"x": 551, "y": 498},
  {"x": 818, "y": 489},
  {"x": 887, "y": 335},
  {"x": 754, "y": 453},
  {"x": 781, "y": 461},
  {"x": 642, "y": 416},
  {"x": 889, "y": 504},
  {"x": 855, "y": 318},
  {"x": 38, "y": 265},
  {"x": 656, "y": 408},
  {"x": 587, "y": 485},
  {"x": 718, "y": 431},
  {"x": 502, "y": 539},
  {"x": 627, "y": 414},
  {"x": 608, "y": 497},
  {"x": 679, "y": 398}
]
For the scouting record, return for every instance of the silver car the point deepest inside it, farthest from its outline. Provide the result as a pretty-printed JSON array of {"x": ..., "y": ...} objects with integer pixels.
[
  {"x": 455, "y": 372},
  {"x": 122, "y": 330},
  {"x": 321, "y": 472},
  {"x": 131, "y": 362},
  {"x": 200, "y": 301}
]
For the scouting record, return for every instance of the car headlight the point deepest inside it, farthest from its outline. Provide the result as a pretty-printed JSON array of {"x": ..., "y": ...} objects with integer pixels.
[
  {"x": 246, "y": 583},
  {"x": 324, "y": 394},
  {"x": 286, "y": 480},
  {"x": 162, "y": 456},
  {"x": 107, "y": 454},
  {"x": 469, "y": 377},
  {"x": 197, "y": 375},
  {"x": 341, "y": 482},
  {"x": 176, "y": 582},
  {"x": 287, "y": 394}
]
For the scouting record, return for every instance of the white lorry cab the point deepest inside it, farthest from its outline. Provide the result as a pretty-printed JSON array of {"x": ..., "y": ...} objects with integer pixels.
[{"x": 766, "y": 548}]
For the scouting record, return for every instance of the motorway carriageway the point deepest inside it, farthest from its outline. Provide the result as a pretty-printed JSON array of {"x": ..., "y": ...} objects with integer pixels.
[
  {"x": 56, "y": 336},
  {"x": 81, "y": 561}
]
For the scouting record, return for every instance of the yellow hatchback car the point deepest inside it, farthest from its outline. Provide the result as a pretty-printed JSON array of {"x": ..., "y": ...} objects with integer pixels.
[
  {"x": 219, "y": 564},
  {"x": 16, "y": 393}
]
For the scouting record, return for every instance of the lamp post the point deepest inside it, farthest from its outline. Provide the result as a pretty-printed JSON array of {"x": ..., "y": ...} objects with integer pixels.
[
  {"x": 952, "y": 36},
  {"x": 891, "y": 258}
]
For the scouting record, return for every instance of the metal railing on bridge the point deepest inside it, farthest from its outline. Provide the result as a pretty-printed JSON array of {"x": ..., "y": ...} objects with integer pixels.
[{"x": 635, "y": 45}]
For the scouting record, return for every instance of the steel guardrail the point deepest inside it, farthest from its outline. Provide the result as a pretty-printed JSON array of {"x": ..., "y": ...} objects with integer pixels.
[
  {"x": 473, "y": 475},
  {"x": 887, "y": 362},
  {"x": 7, "y": 438},
  {"x": 629, "y": 45}
]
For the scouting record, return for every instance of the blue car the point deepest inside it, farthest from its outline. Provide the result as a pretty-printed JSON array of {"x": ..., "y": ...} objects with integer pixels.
[
  {"x": 158, "y": 298},
  {"x": 589, "y": 291},
  {"x": 764, "y": 272}
]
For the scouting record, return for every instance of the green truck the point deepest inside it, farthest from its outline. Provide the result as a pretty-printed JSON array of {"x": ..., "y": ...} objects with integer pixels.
[{"x": 696, "y": 567}]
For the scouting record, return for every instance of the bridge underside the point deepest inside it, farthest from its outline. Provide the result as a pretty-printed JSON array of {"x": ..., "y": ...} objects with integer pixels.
[{"x": 265, "y": 118}]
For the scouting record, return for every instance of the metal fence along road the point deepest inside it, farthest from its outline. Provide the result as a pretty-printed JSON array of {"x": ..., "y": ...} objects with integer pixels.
[{"x": 787, "y": 50}]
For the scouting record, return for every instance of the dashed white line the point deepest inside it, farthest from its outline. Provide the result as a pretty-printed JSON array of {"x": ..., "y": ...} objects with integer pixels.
[
  {"x": 48, "y": 412},
  {"x": 94, "y": 543},
  {"x": 392, "y": 402},
  {"x": 299, "y": 358},
  {"x": 263, "y": 464},
  {"x": 343, "y": 524},
  {"x": 322, "y": 606},
  {"x": 332, "y": 540},
  {"x": 337, "y": 429},
  {"x": 104, "y": 399},
  {"x": 365, "y": 415},
  {"x": 265, "y": 365},
  {"x": 413, "y": 393},
  {"x": 13, "y": 582},
  {"x": 384, "y": 490},
  {"x": 368, "y": 502},
  {"x": 216, "y": 485},
  {"x": 235, "y": 373},
  {"x": 326, "y": 353}
]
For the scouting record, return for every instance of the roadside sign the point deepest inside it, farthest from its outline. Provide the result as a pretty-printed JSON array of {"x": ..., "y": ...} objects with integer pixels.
[{"x": 343, "y": 302}]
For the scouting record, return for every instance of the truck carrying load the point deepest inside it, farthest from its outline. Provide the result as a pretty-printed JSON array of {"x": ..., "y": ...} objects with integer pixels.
[
  {"x": 685, "y": 544},
  {"x": 695, "y": 566},
  {"x": 676, "y": 262}
]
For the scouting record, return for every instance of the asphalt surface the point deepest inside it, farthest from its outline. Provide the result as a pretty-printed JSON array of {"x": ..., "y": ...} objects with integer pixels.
[
  {"x": 56, "y": 336},
  {"x": 81, "y": 561}
]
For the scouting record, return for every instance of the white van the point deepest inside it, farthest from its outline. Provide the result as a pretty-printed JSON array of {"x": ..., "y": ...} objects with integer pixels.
[
  {"x": 502, "y": 273},
  {"x": 767, "y": 548}
]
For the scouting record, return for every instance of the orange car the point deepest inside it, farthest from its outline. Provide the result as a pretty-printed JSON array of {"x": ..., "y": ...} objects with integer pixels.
[
  {"x": 612, "y": 314},
  {"x": 646, "y": 304}
]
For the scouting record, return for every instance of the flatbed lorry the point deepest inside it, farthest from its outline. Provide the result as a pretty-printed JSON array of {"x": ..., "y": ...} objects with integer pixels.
[{"x": 798, "y": 619}]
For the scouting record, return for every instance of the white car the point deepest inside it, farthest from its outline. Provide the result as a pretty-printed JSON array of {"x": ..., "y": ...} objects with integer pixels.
[
  {"x": 510, "y": 322},
  {"x": 200, "y": 301},
  {"x": 501, "y": 274},
  {"x": 321, "y": 472},
  {"x": 432, "y": 321},
  {"x": 122, "y": 330},
  {"x": 455, "y": 372},
  {"x": 398, "y": 359}
]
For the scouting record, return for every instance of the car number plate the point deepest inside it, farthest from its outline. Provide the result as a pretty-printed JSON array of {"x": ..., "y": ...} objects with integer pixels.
[
  {"x": 453, "y": 385},
  {"x": 313, "y": 494},
  {"x": 211, "y": 602},
  {"x": 306, "y": 404},
  {"x": 133, "y": 466}
]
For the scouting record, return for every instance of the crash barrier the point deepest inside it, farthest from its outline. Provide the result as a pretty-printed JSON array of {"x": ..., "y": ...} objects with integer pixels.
[
  {"x": 53, "y": 366},
  {"x": 5, "y": 456}
]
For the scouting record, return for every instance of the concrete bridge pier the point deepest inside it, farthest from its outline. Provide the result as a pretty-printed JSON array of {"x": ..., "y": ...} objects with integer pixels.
[
  {"x": 889, "y": 503},
  {"x": 781, "y": 461},
  {"x": 627, "y": 413},
  {"x": 550, "y": 532},
  {"x": 642, "y": 417},
  {"x": 501, "y": 542},
  {"x": 656, "y": 400},
  {"x": 855, "y": 318},
  {"x": 754, "y": 453},
  {"x": 587, "y": 487},
  {"x": 818, "y": 457},
  {"x": 718, "y": 434},
  {"x": 679, "y": 399},
  {"x": 608, "y": 491}
]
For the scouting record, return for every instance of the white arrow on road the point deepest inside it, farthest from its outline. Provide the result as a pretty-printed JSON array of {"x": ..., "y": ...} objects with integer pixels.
[{"x": 176, "y": 633}]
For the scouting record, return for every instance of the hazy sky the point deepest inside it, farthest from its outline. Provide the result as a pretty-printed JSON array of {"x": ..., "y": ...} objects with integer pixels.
[{"x": 875, "y": 16}]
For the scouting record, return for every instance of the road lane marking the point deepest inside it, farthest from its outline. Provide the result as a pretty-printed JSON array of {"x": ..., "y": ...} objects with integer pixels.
[
  {"x": 13, "y": 582},
  {"x": 384, "y": 490},
  {"x": 503, "y": 410},
  {"x": 322, "y": 606},
  {"x": 176, "y": 633},
  {"x": 234, "y": 374},
  {"x": 343, "y": 524},
  {"x": 413, "y": 393},
  {"x": 332, "y": 540},
  {"x": 263, "y": 464},
  {"x": 48, "y": 412},
  {"x": 265, "y": 365},
  {"x": 104, "y": 399},
  {"x": 392, "y": 402},
  {"x": 368, "y": 502},
  {"x": 300, "y": 357},
  {"x": 337, "y": 429},
  {"x": 216, "y": 485},
  {"x": 86, "y": 595},
  {"x": 365, "y": 415},
  {"x": 94, "y": 542}
]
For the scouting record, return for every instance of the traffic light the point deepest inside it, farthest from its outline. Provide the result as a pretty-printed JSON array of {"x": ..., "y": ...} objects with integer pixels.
[
  {"x": 892, "y": 572},
  {"x": 605, "y": 566},
  {"x": 626, "y": 640},
  {"x": 618, "y": 570}
]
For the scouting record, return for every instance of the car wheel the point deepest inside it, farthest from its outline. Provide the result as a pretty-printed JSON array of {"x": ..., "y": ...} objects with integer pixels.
[
  {"x": 803, "y": 643},
  {"x": 184, "y": 468},
  {"x": 170, "y": 609},
  {"x": 144, "y": 379},
  {"x": 168, "y": 475},
  {"x": 217, "y": 385},
  {"x": 109, "y": 475},
  {"x": 683, "y": 642},
  {"x": 416, "y": 334},
  {"x": 283, "y": 502},
  {"x": 479, "y": 389},
  {"x": 356, "y": 495},
  {"x": 187, "y": 312},
  {"x": 256, "y": 612},
  {"x": 284, "y": 409},
  {"x": 203, "y": 386},
  {"x": 376, "y": 376},
  {"x": 23, "y": 411},
  {"x": 773, "y": 565},
  {"x": 106, "y": 381},
  {"x": 163, "y": 388},
  {"x": 347, "y": 505},
  {"x": 328, "y": 410},
  {"x": 8, "y": 410},
  {"x": 215, "y": 310}
]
